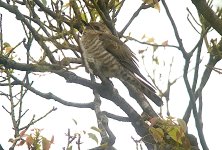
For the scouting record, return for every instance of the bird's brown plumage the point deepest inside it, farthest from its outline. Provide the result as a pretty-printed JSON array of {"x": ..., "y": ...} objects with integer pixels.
[{"x": 106, "y": 55}]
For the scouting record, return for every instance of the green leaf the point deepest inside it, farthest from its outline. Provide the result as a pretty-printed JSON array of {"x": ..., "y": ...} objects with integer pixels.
[
  {"x": 157, "y": 134},
  {"x": 93, "y": 137},
  {"x": 176, "y": 134},
  {"x": 183, "y": 125},
  {"x": 6, "y": 44},
  {"x": 96, "y": 129},
  {"x": 74, "y": 121},
  {"x": 69, "y": 148},
  {"x": 117, "y": 4},
  {"x": 83, "y": 16},
  {"x": 94, "y": 14},
  {"x": 155, "y": 47},
  {"x": 156, "y": 60},
  {"x": 104, "y": 146}
]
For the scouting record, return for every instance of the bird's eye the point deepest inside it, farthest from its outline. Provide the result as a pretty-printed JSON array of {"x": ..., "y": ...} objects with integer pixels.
[{"x": 96, "y": 28}]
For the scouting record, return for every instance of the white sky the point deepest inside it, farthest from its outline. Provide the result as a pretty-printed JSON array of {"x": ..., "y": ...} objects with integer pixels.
[{"x": 149, "y": 22}]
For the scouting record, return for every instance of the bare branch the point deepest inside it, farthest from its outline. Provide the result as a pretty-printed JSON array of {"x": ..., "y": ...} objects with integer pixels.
[
  {"x": 136, "y": 13},
  {"x": 116, "y": 117},
  {"x": 33, "y": 121},
  {"x": 54, "y": 97},
  {"x": 150, "y": 44}
]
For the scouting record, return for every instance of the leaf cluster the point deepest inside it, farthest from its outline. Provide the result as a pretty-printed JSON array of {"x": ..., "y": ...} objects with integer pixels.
[{"x": 170, "y": 132}]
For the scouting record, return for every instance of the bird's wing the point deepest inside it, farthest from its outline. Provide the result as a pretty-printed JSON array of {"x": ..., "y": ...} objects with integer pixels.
[{"x": 122, "y": 52}]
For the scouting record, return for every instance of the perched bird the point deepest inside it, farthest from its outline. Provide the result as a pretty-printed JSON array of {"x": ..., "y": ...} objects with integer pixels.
[{"x": 107, "y": 56}]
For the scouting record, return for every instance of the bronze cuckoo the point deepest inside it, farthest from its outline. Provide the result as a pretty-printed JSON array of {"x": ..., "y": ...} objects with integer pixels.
[{"x": 106, "y": 56}]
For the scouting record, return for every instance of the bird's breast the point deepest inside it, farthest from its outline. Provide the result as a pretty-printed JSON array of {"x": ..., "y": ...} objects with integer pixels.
[{"x": 98, "y": 58}]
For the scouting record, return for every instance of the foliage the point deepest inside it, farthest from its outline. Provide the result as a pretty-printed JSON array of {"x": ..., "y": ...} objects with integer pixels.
[
  {"x": 171, "y": 132},
  {"x": 34, "y": 140}
]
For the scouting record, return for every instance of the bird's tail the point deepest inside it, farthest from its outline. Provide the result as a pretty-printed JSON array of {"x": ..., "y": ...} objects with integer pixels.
[{"x": 145, "y": 88}]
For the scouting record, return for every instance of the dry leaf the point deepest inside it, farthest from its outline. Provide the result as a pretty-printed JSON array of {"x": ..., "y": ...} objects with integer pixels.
[
  {"x": 22, "y": 132},
  {"x": 155, "y": 3},
  {"x": 150, "y": 40},
  {"x": 29, "y": 140},
  {"x": 165, "y": 43}
]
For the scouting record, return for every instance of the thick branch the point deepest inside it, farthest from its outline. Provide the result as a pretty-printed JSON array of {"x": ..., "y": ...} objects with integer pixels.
[
  {"x": 8, "y": 63},
  {"x": 107, "y": 92},
  {"x": 110, "y": 93},
  {"x": 209, "y": 14}
]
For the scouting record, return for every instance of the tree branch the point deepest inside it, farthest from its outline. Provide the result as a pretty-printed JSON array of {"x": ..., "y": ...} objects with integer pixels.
[
  {"x": 54, "y": 97},
  {"x": 14, "y": 9},
  {"x": 209, "y": 14},
  {"x": 136, "y": 13}
]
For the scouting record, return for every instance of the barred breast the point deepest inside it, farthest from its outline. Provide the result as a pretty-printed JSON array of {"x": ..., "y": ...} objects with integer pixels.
[{"x": 97, "y": 58}]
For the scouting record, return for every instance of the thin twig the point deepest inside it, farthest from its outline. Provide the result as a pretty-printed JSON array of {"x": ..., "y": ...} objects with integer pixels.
[
  {"x": 193, "y": 17},
  {"x": 33, "y": 121},
  {"x": 136, "y": 13},
  {"x": 54, "y": 97},
  {"x": 150, "y": 44}
]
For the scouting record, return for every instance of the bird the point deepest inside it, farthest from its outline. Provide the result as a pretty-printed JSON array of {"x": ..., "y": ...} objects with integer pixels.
[{"x": 106, "y": 56}]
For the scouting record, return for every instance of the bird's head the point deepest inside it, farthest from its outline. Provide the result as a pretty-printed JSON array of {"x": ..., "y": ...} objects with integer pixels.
[{"x": 97, "y": 26}]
